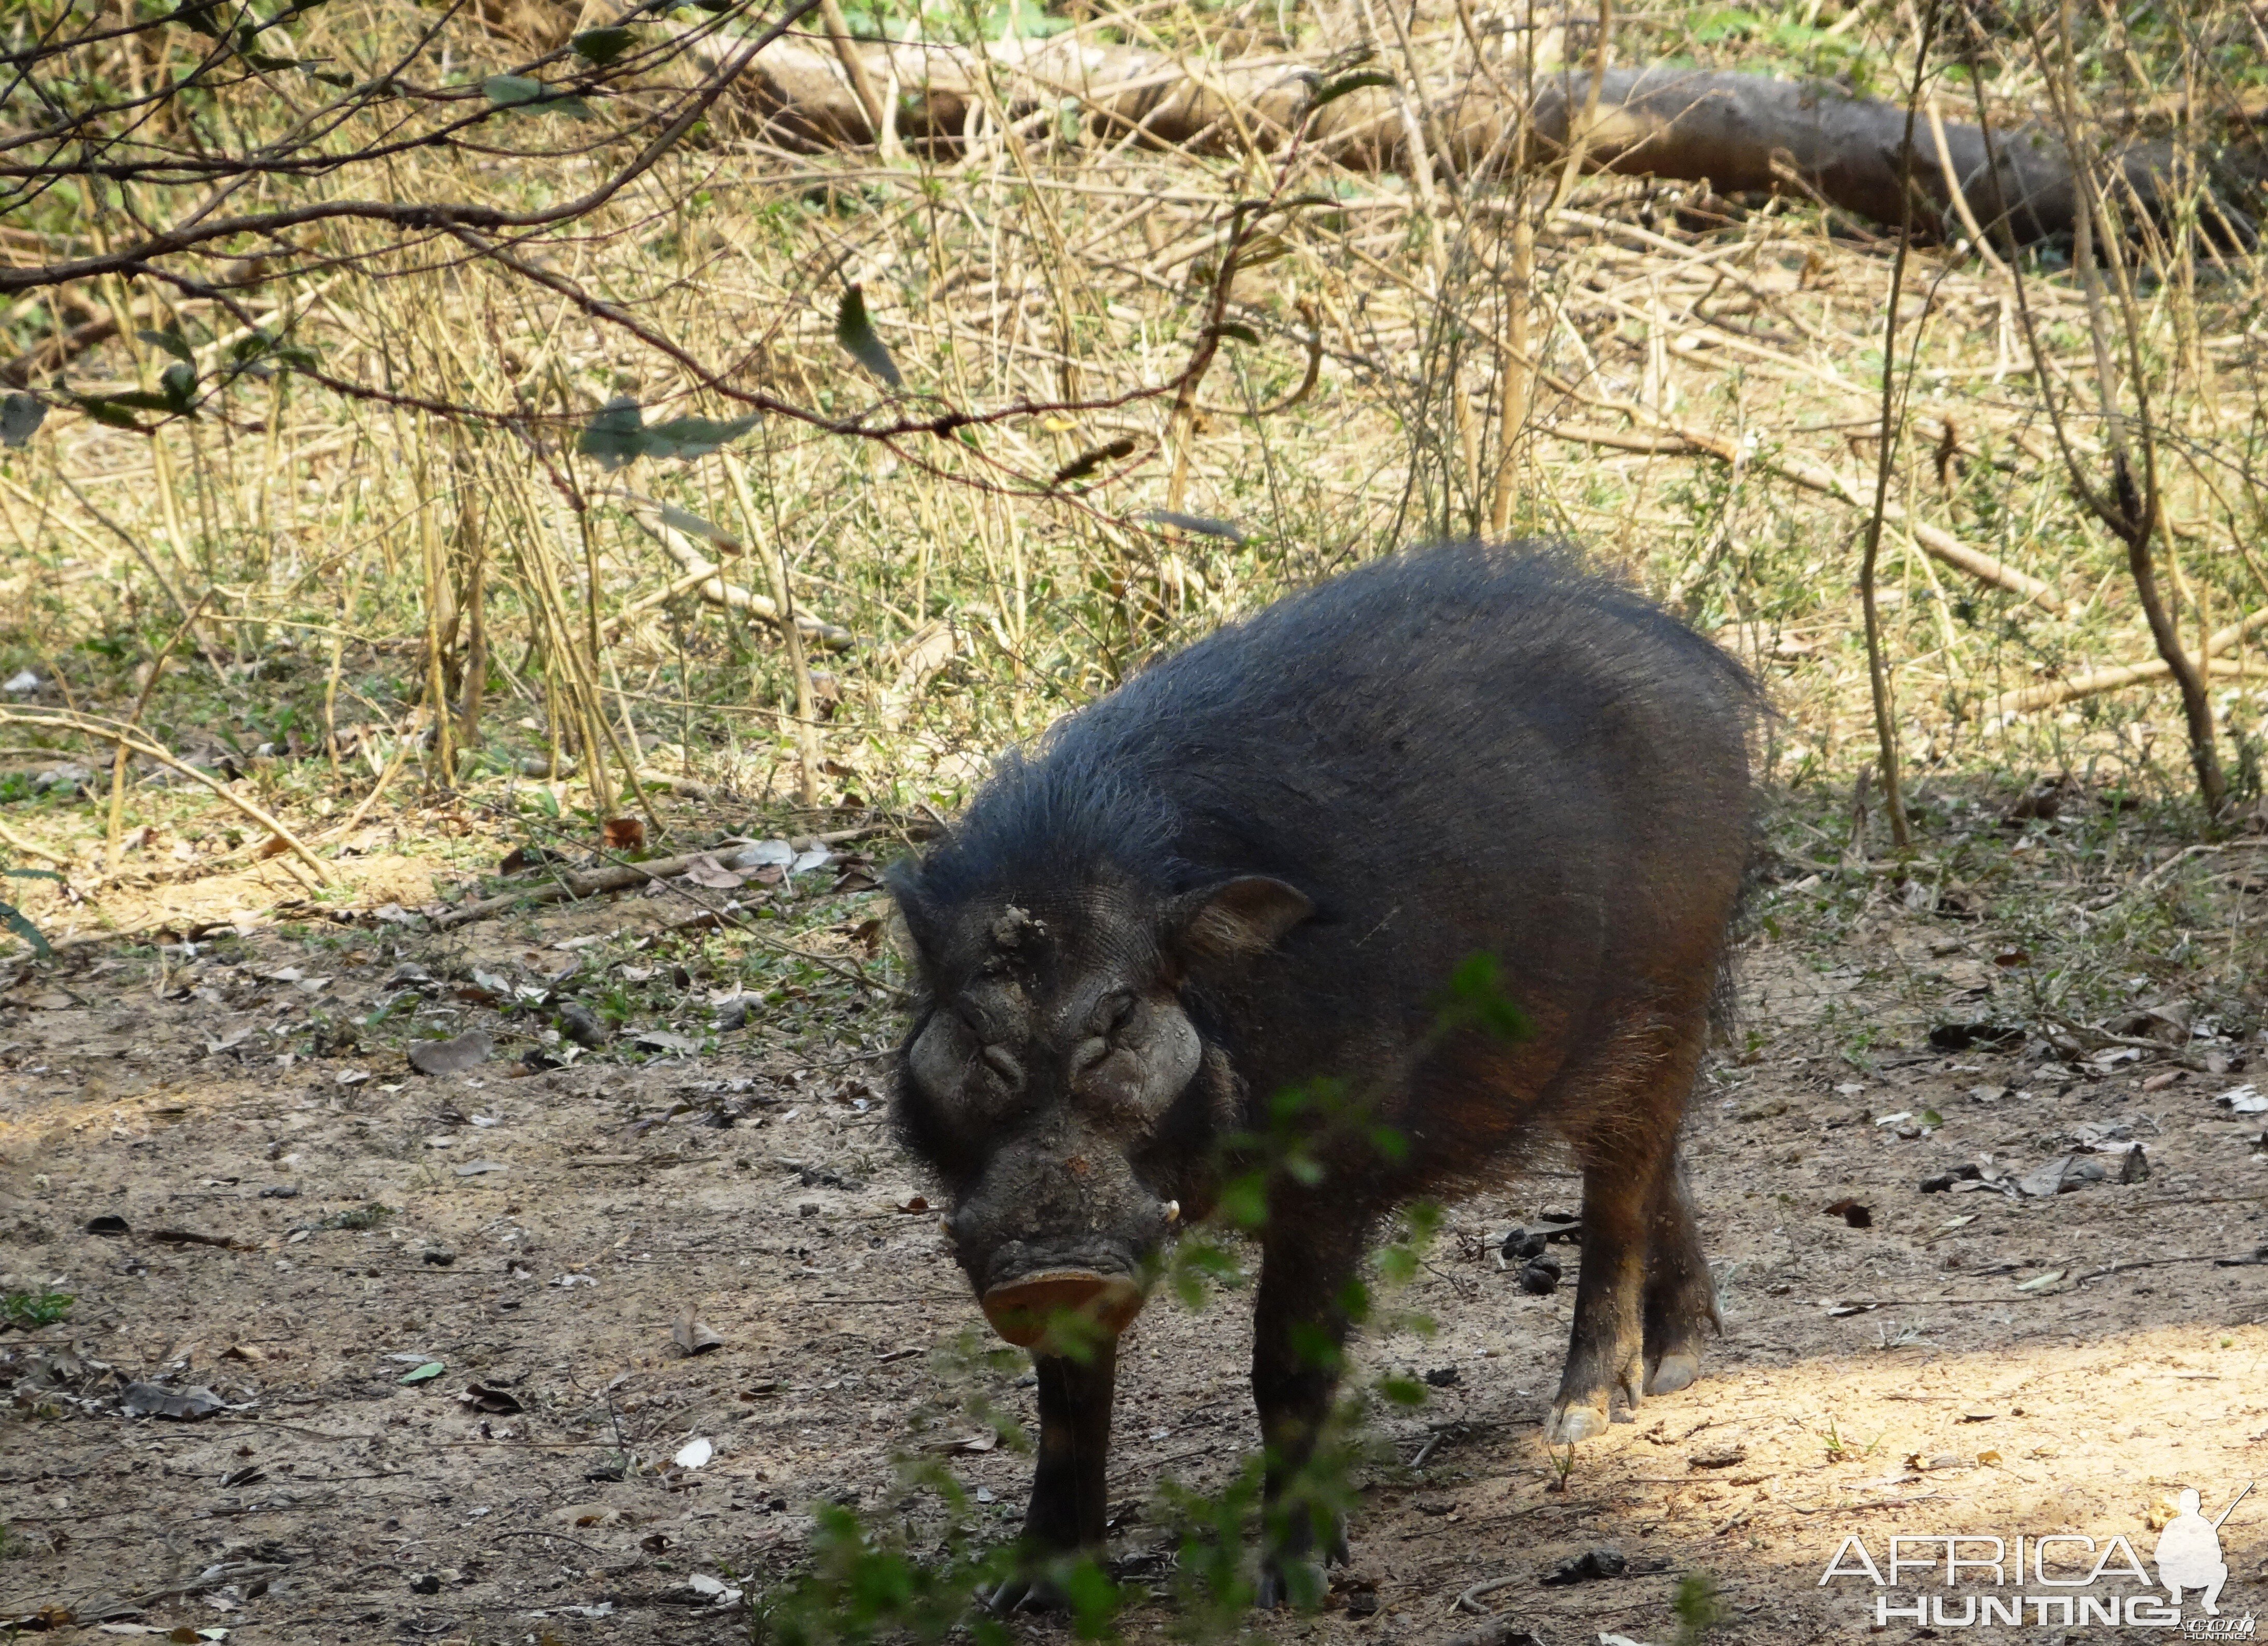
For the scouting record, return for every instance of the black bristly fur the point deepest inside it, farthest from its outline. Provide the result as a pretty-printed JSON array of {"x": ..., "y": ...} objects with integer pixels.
[{"x": 1457, "y": 750}]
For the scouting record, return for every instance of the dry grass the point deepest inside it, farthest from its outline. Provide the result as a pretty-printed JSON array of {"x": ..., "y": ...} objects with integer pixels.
[{"x": 1699, "y": 404}]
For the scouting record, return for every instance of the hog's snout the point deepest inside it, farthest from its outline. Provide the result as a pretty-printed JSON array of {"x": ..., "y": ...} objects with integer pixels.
[
  {"x": 1058, "y": 1224},
  {"x": 1020, "y": 1310}
]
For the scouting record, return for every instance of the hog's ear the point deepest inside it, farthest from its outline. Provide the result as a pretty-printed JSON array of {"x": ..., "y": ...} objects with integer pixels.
[
  {"x": 1242, "y": 918},
  {"x": 915, "y": 931}
]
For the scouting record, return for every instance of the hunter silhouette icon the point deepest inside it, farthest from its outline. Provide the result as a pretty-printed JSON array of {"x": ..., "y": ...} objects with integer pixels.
[{"x": 2188, "y": 1552}]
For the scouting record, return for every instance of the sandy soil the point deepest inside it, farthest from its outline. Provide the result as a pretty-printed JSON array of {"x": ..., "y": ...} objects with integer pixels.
[{"x": 1967, "y": 1361}]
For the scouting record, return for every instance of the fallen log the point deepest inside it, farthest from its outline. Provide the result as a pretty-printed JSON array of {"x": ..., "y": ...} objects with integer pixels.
[
  {"x": 1740, "y": 133},
  {"x": 1747, "y": 133}
]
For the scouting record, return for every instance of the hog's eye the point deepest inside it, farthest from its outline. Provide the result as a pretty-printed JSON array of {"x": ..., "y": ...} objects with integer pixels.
[
  {"x": 1111, "y": 1012},
  {"x": 956, "y": 1067},
  {"x": 975, "y": 1019}
]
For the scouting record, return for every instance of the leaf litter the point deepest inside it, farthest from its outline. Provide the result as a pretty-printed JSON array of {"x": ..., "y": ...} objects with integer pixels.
[{"x": 821, "y": 1305}]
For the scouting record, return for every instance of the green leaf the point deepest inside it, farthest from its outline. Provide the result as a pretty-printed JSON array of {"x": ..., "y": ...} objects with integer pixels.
[
  {"x": 1405, "y": 1391},
  {"x": 1476, "y": 1000},
  {"x": 522, "y": 95},
  {"x": 33, "y": 873},
  {"x": 1697, "y": 1607},
  {"x": 1332, "y": 90},
  {"x": 856, "y": 333},
  {"x": 1087, "y": 462},
  {"x": 20, "y": 416},
  {"x": 37, "y": 1308},
  {"x": 171, "y": 340},
  {"x": 695, "y": 437},
  {"x": 180, "y": 384},
  {"x": 1239, "y": 330},
  {"x": 1243, "y": 1204},
  {"x": 1725, "y": 22},
  {"x": 616, "y": 436},
  {"x": 1204, "y": 525},
  {"x": 426, "y": 1373},
  {"x": 602, "y": 46},
  {"x": 199, "y": 16},
  {"x": 694, "y": 525},
  {"x": 112, "y": 413},
  {"x": 1094, "y": 1599},
  {"x": 263, "y": 347},
  {"x": 615, "y": 433},
  {"x": 13, "y": 920}
]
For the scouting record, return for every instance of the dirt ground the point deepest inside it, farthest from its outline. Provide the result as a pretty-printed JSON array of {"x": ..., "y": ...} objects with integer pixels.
[{"x": 1970, "y": 1361}]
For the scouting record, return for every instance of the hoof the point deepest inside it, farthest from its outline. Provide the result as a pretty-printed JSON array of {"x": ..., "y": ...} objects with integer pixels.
[
  {"x": 1570, "y": 1424},
  {"x": 1285, "y": 1584},
  {"x": 1672, "y": 1373},
  {"x": 1026, "y": 1594}
]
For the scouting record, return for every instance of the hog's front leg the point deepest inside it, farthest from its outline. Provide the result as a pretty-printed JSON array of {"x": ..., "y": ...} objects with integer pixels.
[
  {"x": 1069, "y": 1506},
  {"x": 1300, "y": 1326}
]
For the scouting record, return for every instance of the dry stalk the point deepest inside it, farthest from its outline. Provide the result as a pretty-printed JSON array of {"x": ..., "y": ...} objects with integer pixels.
[
  {"x": 407, "y": 741},
  {"x": 107, "y": 730},
  {"x": 1878, "y": 674},
  {"x": 806, "y": 707},
  {"x": 115, "y": 833}
]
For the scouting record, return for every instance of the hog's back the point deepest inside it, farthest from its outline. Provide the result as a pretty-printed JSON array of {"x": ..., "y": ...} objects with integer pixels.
[{"x": 1457, "y": 750}]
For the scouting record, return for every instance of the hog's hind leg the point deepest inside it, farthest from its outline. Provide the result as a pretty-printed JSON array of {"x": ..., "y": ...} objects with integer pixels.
[
  {"x": 1630, "y": 1098},
  {"x": 1681, "y": 1296},
  {"x": 1604, "y": 1348}
]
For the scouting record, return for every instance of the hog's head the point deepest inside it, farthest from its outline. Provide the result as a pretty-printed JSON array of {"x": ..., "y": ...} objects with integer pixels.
[{"x": 1057, "y": 1082}]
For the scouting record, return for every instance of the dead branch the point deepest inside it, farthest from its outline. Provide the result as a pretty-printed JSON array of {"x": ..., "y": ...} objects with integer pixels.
[
  {"x": 705, "y": 578},
  {"x": 594, "y": 882},
  {"x": 1933, "y": 541},
  {"x": 2118, "y": 676}
]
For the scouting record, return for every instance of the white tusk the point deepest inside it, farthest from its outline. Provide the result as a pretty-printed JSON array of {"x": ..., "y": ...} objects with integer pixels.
[{"x": 1173, "y": 1211}]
